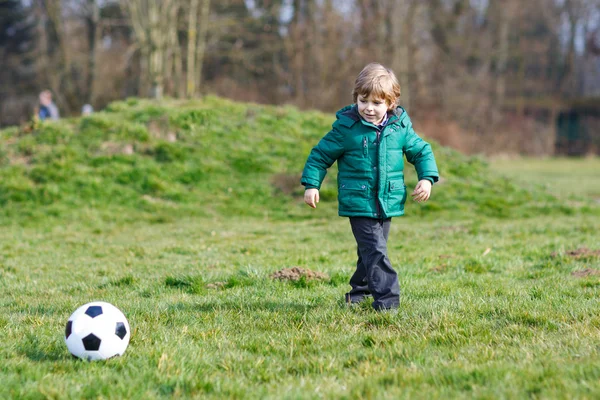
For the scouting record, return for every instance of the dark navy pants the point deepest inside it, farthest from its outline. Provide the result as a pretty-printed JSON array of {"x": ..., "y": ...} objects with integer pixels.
[{"x": 374, "y": 274}]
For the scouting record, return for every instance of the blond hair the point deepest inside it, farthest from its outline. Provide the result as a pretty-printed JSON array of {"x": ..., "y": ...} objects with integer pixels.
[{"x": 379, "y": 81}]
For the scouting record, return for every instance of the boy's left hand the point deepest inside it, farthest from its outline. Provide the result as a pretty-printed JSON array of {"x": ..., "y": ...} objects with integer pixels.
[{"x": 422, "y": 191}]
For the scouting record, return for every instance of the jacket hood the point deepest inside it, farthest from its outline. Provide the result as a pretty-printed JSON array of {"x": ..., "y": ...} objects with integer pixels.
[{"x": 349, "y": 115}]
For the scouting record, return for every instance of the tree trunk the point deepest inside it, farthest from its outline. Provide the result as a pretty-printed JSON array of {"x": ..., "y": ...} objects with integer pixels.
[
  {"x": 201, "y": 44},
  {"x": 93, "y": 39},
  {"x": 407, "y": 55},
  {"x": 566, "y": 81},
  {"x": 399, "y": 45},
  {"x": 156, "y": 51},
  {"x": 179, "y": 87},
  {"x": 152, "y": 21},
  {"x": 503, "y": 32},
  {"x": 60, "y": 69},
  {"x": 192, "y": 39}
]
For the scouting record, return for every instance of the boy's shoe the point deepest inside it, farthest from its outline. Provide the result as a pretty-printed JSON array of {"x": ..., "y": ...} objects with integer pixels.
[
  {"x": 388, "y": 309},
  {"x": 351, "y": 301}
]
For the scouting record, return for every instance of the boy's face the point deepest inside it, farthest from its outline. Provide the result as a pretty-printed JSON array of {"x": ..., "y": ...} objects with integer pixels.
[{"x": 372, "y": 109}]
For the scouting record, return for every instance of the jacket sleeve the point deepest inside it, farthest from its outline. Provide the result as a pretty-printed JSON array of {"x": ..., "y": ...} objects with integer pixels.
[
  {"x": 321, "y": 157},
  {"x": 418, "y": 152}
]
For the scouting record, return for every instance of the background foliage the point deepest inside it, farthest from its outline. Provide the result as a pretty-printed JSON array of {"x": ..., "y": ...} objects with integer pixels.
[{"x": 483, "y": 75}]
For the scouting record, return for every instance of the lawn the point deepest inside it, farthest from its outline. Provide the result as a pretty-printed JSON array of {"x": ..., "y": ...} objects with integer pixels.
[
  {"x": 579, "y": 177},
  {"x": 500, "y": 279},
  {"x": 490, "y": 309}
]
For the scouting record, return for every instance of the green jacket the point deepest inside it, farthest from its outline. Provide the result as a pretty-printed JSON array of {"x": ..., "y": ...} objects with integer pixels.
[{"x": 370, "y": 166}]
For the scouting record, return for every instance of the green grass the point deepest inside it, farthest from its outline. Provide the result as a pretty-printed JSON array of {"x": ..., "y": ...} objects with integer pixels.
[
  {"x": 577, "y": 178},
  {"x": 490, "y": 306},
  {"x": 513, "y": 323}
]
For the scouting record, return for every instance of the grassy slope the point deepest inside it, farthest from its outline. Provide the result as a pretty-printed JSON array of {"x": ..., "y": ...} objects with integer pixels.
[
  {"x": 149, "y": 231},
  {"x": 229, "y": 159}
]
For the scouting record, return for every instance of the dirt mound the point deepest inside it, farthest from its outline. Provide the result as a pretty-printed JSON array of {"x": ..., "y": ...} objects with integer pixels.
[
  {"x": 296, "y": 273},
  {"x": 582, "y": 252},
  {"x": 216, "y": 285},
  {"x": 585, "y": 273}
]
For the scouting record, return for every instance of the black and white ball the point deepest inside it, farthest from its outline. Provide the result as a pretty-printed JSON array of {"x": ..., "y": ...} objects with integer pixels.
[{"x": 97, "y": 331}]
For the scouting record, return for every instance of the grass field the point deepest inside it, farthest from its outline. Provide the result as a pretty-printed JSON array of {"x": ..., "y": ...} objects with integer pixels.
[
  {"x": 500, "y": 294},
  {"x": 514, "y": 323},
  {"x": 573, "y": 177}
]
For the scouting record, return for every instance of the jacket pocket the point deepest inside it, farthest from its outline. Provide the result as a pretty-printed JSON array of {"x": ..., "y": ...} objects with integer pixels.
[
  {"x": 353, "y": 195},
  {"x": 396, "y": 196}
]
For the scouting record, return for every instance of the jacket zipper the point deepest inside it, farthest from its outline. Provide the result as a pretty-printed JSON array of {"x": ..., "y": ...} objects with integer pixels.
[{"x": 377, "y": 142}]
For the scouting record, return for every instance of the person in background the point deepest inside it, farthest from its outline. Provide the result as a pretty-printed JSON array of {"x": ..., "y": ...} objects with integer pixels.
[
  {"x": 47, "y": 108},
  {"x": 87, "y": 109}
]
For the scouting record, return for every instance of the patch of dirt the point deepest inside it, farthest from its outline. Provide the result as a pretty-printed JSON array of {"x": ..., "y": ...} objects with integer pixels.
[
  {"x": 454, "y": 229},
  {"x": 295, "y": 273},
  {"x": 444, "y": 256},
  {"x": 128, "y": 149},
  {"x": 288, "y": 184},
  {"x": 111, "y": 148},
  {"x": 156, "y": 200},
  {"x": 439, "y": 268},
  {"x": 158, "y": 126},
  {"x": 585, "y": 273},
  {"x": 20, "y": 160},
  {"x": 582, "y": 252},
  {"x": 215, "y": 285}
]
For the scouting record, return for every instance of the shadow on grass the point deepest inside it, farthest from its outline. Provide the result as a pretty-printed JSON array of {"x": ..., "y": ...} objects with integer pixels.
[
  {"x": 269, "y": 306},
  {"x": 32, "y": 348}
]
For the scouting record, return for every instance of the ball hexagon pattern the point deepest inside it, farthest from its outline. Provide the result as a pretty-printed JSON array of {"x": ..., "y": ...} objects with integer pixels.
[{"x": 97, "y": 331}]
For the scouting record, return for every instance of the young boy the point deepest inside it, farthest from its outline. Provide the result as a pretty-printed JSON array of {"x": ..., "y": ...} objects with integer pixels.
[{"x": 368, "y": 141}]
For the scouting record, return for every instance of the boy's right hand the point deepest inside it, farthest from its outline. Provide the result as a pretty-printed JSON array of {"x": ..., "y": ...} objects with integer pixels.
[{"x": 311, "y": 197}]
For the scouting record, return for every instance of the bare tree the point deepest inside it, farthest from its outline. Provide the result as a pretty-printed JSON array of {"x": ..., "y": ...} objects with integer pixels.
[
  {"x": 54, "y": 53},
  {"x": 89, "y": 12},
  {"x": 196, "y": 46},
  {"x": 400, "y": 44},
  {"x": 174, "y": 59},
  {"x": 472, "y": 62},
  {"x": 152, "y": 21}
]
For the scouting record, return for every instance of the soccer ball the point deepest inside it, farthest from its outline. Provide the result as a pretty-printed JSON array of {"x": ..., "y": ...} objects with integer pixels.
[{"x": 97, "y": 331}]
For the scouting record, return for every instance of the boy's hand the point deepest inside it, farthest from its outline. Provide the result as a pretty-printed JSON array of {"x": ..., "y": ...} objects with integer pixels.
[
  {"x": 311, "y": 197},
  {"x": 422, "y": 191}
]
